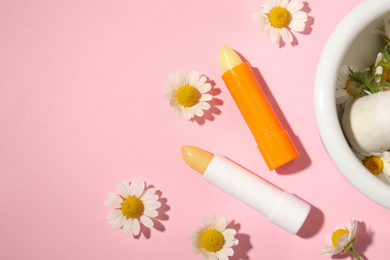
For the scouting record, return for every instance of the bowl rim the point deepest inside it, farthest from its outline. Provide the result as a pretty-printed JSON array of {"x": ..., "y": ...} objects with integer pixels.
[{"x": 324, "y": 101}]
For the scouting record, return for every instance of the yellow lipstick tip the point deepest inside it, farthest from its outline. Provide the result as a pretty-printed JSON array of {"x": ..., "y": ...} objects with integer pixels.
[
  {"x": 198, "y": 159},
  {"x": 228, "y": 58}
]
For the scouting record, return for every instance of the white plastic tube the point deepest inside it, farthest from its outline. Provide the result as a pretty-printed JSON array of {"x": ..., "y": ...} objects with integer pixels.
[{"x": 283, "y": 209}]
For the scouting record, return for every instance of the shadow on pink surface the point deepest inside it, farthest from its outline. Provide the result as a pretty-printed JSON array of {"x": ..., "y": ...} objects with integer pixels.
[
  {"x": 209, "y": 115},
  {"x": 313, "y": 223},
  {"x": 303, "y": 160},
  {"x": 157, "y": 221},
  {"x": 244, "y": 246}
]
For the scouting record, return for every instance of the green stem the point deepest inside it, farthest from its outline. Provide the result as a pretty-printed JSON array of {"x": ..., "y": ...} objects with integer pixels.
[{"x": 355, "y": 255}]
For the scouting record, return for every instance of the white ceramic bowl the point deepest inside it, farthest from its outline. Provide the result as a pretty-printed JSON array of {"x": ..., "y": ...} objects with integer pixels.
[{"x": 351, "y": 43}]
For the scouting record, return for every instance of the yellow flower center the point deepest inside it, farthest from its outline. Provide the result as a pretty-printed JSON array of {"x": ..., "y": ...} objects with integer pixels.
[
  {"x": 132, "y": 207},
  {"x": 212, "y": 240},
  {"x": 374, "y": 164},
  {"x": 279, "y": 17},
  {"x": 187, "y": 95},
  {"x": 386, "y": 73},
  {"x": 353, "y": 88},
  {"x": 337, "y": 234}
]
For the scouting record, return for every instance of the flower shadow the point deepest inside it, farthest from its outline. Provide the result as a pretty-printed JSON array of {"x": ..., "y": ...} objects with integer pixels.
[
  {"x": 363, "y": 239},
  {"x": 157, "y": 221},
  {"x": 310, "y": 19},
  {"x": 244, "y": 246},
  {"x": 209, "y": 115}
]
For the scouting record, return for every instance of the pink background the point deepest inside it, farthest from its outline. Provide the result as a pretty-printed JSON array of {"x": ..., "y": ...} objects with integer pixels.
[{"x": 82, "y": 108}]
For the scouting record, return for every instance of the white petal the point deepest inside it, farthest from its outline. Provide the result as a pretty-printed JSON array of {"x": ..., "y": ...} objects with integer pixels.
[
  {"x": 257, "y": 17},
  {"x": 337, "y": 250},
  {"x": 267, "y": 7},
  {"x": 206, "y": 97},
  {"x": 113, "y": 196},
  {"x": 228, "y": 251},
  {"x": 297, "y": 25},
  {"x": 122, "y": 190},
  {"x": 204, "y": 88},
  {"x": 113, "y": 214},
  {"x": 188, "y": 113},
  {"x": 284, "y": 3},
  {"x": 151, "y": 204},
  {"x": 181, "y": 79},
  {"x": 328, "y": 250},
  {"x": 386, "y": 169},
  {"x": 198, "y": 111},
  {"x": 173, "y": 79},
  {"x": 117, "y": 203},
  {"x": 379, "y": 58},
  {"x": 169, "y": 93},
  {"x": 302, "y": 16},
  {"x": 221, "y": 255},
  {"x": 133, "y": 187},
  {"x": 342, "y": 99},
  {"x": 151, "y": 212},
  {"x": 119, "y": 223},
  {"x": 209, "y": 256},
  {"x": 148, "y": 194},
  {"x": 340, "y": 93},
  {"x": 140, "y": 189},
  {"x": 147, "y": 221},
  {"x": 203, "y": 105},
  {"x": 136, "y": 227},
  {"x": 353, "y": 228},
  {"x": 178, "y": 109},
  {"x": 208, "y": 221},
  {"x": 342, "y": 241},
  {"x": 294, "y": 6},
  {"x": 111, "y": 222},
  {"x": 201, "y": 81},
  {"x": 173, "y": 102},
  {"x": 153, "y": 198},
  {"x": 286, "y": 35},
  {"x": 196, "y": 250},
  {"x": 127, "y": 226},
  {"x": 185, "y": 75},
  {"x": 221, "y": 224},
  {"x": 275, "y": 36},
  {"x": 344, "y": 71},
  {"x": 193, "y": 78}
]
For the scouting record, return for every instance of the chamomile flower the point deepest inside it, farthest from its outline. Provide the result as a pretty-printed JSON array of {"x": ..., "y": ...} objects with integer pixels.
[
  {"x": 380, "y": 68},
  {"x": 278, "y": 17},
  {"x": 385, "y": 32},
  {"x": 133, "y": 205},
  {"x": 347, "y": 89},
  {"x": 376, "y": 163},
  {"x": 187, "y": 94},
  {"x": 213, "y": 239},
  {"x": 342, "y": 240}
]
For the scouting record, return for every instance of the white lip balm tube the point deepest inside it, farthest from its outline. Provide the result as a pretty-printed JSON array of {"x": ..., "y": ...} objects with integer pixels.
[{"x": 280, "y": 207}]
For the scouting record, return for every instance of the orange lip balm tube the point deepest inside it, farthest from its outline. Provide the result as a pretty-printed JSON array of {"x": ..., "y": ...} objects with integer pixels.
[{"x": 273, "y": 141}]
